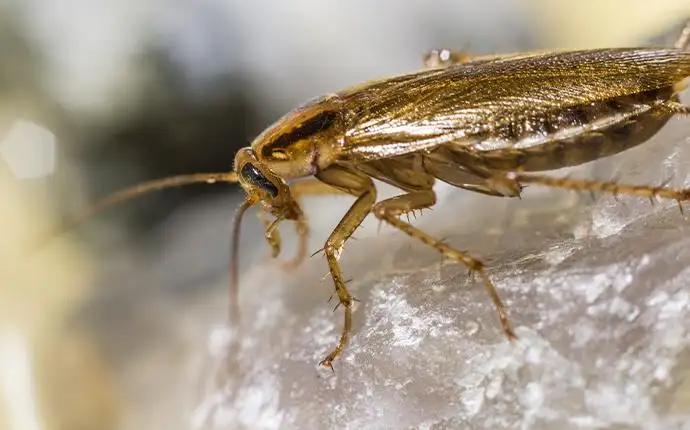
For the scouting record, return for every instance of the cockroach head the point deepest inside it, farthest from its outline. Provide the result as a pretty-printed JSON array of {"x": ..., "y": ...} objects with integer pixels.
[{"x": 264, "y": 187}]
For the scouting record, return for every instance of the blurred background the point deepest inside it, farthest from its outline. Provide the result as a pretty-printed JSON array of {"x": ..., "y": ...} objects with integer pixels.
[{"x": 103, "y": 330}]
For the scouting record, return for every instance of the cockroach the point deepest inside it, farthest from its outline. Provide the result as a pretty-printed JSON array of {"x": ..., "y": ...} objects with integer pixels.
[{"x": 480, "y": 123}]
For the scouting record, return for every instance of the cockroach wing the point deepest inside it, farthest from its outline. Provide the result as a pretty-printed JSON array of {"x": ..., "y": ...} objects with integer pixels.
[{"x": 464, "y": 104}]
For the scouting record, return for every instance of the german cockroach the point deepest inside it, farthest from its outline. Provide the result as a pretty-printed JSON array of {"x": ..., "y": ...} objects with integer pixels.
[{"x": 477, "y": 123}]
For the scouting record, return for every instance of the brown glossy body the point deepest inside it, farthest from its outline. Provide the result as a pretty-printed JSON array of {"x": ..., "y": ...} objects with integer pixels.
[
  {"x": 479, "y": 123},
  {"x": 538, "y": 112}
]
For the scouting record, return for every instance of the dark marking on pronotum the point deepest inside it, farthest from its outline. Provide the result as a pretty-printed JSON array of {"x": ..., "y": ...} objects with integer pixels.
[{"x": 307, "y": 129}]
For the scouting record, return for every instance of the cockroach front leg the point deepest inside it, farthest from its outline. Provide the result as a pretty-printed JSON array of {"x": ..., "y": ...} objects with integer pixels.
[
  {"x": 390, "y": 210},
  {"x": 362, "y": 186},
  {"x": 271, "y": 233}
]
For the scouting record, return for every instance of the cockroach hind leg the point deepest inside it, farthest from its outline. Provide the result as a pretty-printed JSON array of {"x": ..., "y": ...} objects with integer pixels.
[
  {"x": 676, "y": 108},
  {"x": 387, "y": 210},
  {"x": 610, "y": 187}
]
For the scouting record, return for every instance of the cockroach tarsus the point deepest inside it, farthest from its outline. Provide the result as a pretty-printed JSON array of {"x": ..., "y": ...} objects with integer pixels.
[{"x": 477, "y": 123}]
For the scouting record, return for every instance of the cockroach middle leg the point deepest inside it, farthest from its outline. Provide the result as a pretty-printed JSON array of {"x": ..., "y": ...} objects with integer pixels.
[
  {"x": 389, "y": 211},
  {"x": 361, "y": 186}
]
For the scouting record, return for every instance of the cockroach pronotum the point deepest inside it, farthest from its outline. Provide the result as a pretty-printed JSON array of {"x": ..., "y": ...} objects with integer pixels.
[{"x": 479, "y": 123}]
